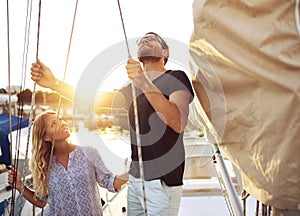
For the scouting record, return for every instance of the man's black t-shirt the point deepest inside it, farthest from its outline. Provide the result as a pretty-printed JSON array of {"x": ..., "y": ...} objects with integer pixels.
[{"x": 162, "y": 148}]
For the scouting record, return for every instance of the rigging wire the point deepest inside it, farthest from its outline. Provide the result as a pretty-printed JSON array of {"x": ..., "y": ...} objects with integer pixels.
[
  {"x": 137, "y": 128},
  {"x": 24, "y": 65},
  {"x": 20, "y": 107},
  {"x": 60, "y": 97},
  {"x": 26, "y": 45},
  {"x": 8, "y": 69},
  {"x": 8, "y": 64},
  {"x": 31, "y": 113},
  {"x": 14, "y": 161},
  {"x": 124, "y": 31}
]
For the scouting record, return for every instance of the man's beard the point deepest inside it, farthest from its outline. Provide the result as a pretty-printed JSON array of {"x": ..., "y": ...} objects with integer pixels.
[{"x": 149, "y": 59}]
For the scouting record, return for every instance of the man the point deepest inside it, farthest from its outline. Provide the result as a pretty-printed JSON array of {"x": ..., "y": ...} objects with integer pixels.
[{"x": 163, "y": 98}]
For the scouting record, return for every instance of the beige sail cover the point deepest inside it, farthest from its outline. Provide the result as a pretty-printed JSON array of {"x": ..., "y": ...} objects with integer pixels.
[{"x": 245, "y": 56}]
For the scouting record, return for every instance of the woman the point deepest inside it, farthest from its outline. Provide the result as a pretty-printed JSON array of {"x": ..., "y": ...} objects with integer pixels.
[{"x": 69, "y": 182}]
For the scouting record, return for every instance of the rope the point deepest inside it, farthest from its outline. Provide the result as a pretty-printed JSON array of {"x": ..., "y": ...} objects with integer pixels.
[
  {"x": 124, "y": 31},
  {"x": 257, "y": 208},
  {"x": 23, "y": 74},
  {"x": 31, "y": 114},
  {"x": 24, "y": 63},
  {"x": 60, "y": 97},
  {"x": 137, "y": 128},
  {"x": 244, "y": 197},
  {"x": 17, "y": 146},
  {"x": 8, "y": 69}
]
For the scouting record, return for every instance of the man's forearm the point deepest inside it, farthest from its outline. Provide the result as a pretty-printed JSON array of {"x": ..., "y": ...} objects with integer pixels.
[{"x": 167, "y": 110}]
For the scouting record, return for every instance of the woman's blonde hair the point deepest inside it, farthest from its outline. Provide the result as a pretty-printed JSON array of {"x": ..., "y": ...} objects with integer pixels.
[{"x": 41, "y": 151}]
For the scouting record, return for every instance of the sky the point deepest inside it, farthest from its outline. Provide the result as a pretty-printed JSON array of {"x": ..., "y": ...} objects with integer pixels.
[{"x": 97, "y": 28}]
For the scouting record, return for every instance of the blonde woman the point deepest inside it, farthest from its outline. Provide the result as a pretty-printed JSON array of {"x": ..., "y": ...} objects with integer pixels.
[{"x": 70, "y": 186}]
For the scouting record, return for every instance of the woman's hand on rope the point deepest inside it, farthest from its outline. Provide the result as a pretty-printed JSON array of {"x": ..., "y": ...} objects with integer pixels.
[
  {"x": 42, "y": 75},
  {"x": 15, "y": 179}
]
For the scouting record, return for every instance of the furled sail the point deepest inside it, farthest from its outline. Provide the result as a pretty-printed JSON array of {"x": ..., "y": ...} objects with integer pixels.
[{"x": 245, "y": 56}]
